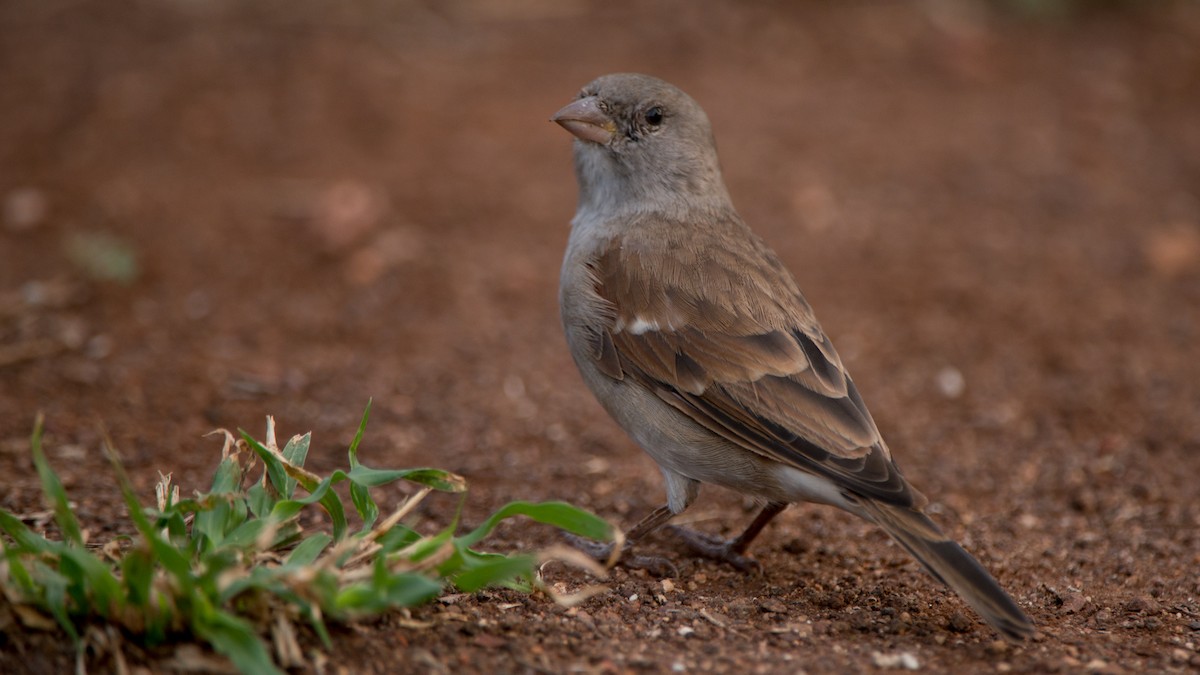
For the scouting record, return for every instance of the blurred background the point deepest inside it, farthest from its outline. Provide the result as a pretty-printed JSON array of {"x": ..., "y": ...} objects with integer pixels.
[{"x": 215, "y": 210}]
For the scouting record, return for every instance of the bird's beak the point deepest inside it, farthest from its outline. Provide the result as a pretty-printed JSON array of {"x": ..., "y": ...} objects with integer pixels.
[{"x": 586, "y": 121}]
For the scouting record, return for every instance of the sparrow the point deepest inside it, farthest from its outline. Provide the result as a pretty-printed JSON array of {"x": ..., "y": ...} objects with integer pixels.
[{"x": 696, "y": 339}]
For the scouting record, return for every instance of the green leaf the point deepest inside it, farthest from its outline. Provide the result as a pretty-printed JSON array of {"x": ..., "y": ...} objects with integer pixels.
[
  {"x": 92, "y": 584},
  {"x": 137, "y": 575},
  {"x": 362, "y": 426},
  {"x": 54, "y": 599},
  {"x": 174, "y": 561},
  {"x": 397, "y": 538},
  {"x": 102, "y": 256},
  {"x": 434, "y": 478},
  {"x": 53, "y": 488},
  {"x": 295, "y": 452},
  {"x": 236, "y": 639},
  {"x": 328, "y": 499},
  {"x": 26, "y": 539},
  {"x": 275, "y": 471},
  {"x": 333, "y": 505},
  {"x": 244, "y": 536},
  {"x": 228, "y": 477},
  {"x": 360, "y": 494},
  {"x": 209, "y": 525},
  {"x": 494, "y": 570},
  {"x": 259, "y": 500},
  {"x": 560, "y": 514},
  {"x": 428, "y": 546},
  {"x": 406, "y": 589},
  {"x": 308, "y": 550},
  {"x": 17, "y": 570}
]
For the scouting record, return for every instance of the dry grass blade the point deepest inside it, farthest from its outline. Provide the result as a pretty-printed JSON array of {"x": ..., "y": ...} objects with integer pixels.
[
  {"x": 287, "y": 649},
  {"x": 367, "y": 545},
  {"x": 572, "y": 556},
  {"x": 576, "y": 558},
  {"x": 230, "y": 441}
]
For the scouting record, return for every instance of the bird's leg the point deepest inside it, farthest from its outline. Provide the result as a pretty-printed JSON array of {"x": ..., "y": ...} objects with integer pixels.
[
  {"x": 656, "y": 565},
  {"x": 732, "y": 550}
]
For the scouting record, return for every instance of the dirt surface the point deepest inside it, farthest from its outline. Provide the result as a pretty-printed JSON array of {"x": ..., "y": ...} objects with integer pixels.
[{"x": 996, "y": 217}]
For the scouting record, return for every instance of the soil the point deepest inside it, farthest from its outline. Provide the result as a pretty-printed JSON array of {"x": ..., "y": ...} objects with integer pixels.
[{"x": 995, "y": 212}]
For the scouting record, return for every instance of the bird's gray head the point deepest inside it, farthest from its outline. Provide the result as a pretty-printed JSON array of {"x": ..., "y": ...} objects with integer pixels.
[{"x": 642, "y": 144}]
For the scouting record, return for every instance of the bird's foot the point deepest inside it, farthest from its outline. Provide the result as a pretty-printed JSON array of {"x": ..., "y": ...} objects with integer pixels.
[
  {"x": 716, "y": 548},
  {"x": 602, "y": 553}
]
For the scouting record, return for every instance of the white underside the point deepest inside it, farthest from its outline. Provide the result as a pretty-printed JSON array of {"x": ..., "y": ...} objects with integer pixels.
[{"x": 801, "y": 486}]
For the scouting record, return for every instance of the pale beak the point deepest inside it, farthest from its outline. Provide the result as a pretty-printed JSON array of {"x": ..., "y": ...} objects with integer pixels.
[{"x": 586, "y": 121}]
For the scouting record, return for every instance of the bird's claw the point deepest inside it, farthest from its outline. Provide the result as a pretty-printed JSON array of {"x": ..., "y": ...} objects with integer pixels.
[
  {"x": 602, "y": 553},
  {"x": 718, "y": 549}
]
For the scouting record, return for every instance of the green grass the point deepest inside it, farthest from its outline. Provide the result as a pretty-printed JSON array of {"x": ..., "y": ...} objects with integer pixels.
[{"x": 231, "y": 565}]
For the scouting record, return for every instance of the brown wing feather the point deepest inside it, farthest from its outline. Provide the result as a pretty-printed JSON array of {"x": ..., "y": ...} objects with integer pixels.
[{"x": 758, "y": 370}]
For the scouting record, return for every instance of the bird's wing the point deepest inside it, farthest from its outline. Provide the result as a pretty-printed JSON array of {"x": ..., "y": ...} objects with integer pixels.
[{"x": 752, "y": 366}]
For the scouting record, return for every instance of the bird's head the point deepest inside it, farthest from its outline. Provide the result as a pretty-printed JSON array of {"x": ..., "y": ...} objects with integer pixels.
[{"x": 641, "y": 142}]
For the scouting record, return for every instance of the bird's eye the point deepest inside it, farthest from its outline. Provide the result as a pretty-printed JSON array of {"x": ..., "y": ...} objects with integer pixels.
[{"x": 654, "y": 116}]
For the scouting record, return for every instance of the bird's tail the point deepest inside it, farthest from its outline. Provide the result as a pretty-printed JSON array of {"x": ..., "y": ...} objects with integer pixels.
[{"x": 953, "y": 566}]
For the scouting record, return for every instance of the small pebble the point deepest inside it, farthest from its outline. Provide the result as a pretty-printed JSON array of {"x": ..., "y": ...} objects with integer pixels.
[
  {"x": 773, "y": 606},
  {"x": 898, "y": 660},
  {"x": 950, "y": 382},
  {"x": 1142, "y": 603},
  {"x": 24, "y": 209},
  {"x": 1074, "y": 603},
  {"x": 99, "y": 347},
  {"x": 959, "y": 623}
]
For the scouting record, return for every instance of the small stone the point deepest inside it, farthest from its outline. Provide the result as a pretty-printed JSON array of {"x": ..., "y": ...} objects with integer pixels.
[
  {"x": 950, "y": 382},
  {"x": 24, "y": 209},
  {"x": 897, "y": 660},
  {"x": 489, "y": 641},
  {"x": 1142, "y": 603},
  {"x": 1173, "y": 249},
  {"x": 996, "y": 647},
  {"x": 773, "y": 606},
  {"x": 99, "y": 347},
  {"x": 1074, "y": 603},
  {"x": 1180, "y": 655},
  {"x": 959, "y": 623}
]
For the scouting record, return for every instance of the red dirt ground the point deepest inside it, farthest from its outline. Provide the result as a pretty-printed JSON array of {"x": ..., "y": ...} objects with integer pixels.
[{"x": 330, "y": 202}]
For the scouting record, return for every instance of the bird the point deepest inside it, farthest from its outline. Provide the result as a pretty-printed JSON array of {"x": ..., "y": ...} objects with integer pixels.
[{"x": 695, "y": 338}]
